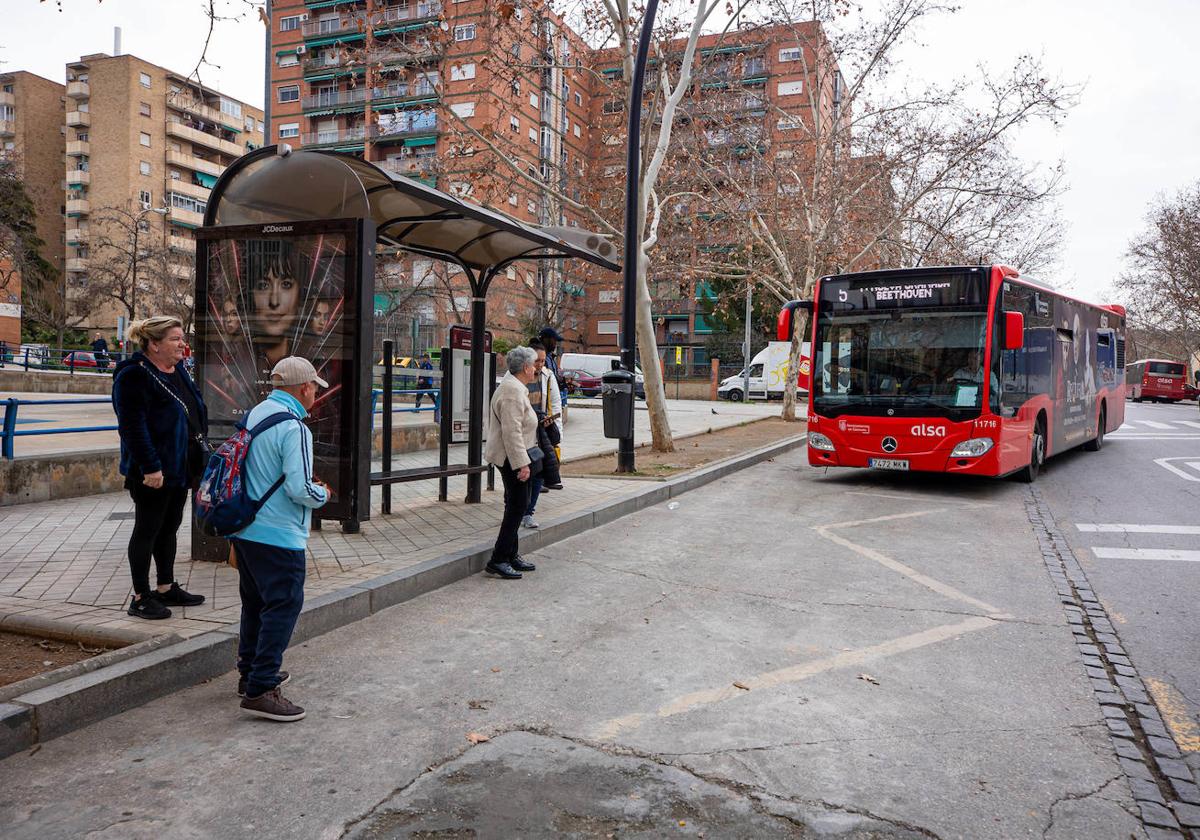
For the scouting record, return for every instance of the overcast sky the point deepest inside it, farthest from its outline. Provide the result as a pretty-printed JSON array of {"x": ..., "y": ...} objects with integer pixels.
[{"x": 1134, "y": 135}]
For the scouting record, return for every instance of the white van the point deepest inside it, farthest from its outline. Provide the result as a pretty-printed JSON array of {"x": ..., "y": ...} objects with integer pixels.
[
  {"x": 591, "y": 364},
  {"x": 768, "y": 374}
]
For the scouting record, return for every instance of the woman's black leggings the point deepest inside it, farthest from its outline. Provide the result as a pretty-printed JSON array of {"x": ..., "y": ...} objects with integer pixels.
[{"x": 157, "y": 514}]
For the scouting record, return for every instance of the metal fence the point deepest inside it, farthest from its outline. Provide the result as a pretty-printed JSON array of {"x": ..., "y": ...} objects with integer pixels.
[
  {"x": 9, "y": 432},
  {"x": 69, "y": 359}
]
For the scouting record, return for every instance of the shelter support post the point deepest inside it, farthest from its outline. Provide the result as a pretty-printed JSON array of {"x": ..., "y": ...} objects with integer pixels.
[
  {"x": 478, "y": 369},
  {"x": 387, "y": 422}
]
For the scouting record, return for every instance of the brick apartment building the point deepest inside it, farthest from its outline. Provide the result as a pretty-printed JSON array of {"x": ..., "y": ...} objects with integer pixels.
[
  {"x": 31, "y": 135},
  {"x": 142, "y": 143}
]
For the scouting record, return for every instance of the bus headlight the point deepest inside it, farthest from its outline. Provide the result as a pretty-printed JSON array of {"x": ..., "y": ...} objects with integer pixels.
[
  {"x": 972, "y": 448},
  {"x": 816, "y": 440}
]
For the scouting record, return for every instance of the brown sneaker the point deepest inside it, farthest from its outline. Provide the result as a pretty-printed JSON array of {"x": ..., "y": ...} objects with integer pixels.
[{"x": 273, "y": 706}]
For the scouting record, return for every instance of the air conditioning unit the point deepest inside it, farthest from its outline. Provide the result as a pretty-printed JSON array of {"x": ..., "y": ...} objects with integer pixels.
[{"x": 301, "y": 50}]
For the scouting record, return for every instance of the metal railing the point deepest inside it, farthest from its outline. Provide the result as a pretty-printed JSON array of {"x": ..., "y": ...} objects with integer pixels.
[
  {"x": 59, "y": 358},
  {"x": 8, "y": 430}
]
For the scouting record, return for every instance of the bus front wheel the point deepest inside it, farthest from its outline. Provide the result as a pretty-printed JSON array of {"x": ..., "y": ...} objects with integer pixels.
[{"x": 1037, "y": 454}]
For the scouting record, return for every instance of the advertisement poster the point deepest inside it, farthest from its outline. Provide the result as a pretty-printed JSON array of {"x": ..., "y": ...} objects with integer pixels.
[{"x": 273, "y": 291}]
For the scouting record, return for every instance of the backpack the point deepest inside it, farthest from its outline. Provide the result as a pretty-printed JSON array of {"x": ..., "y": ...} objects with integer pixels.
[{"x": 223, "y": 504}]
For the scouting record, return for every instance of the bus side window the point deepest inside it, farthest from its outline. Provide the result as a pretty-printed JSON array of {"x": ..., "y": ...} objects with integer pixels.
[{"x": 1014, "y": 371}]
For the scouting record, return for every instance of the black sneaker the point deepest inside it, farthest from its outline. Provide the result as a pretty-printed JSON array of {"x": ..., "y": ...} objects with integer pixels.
[
  {"x": 273, "y": 706},
  {"x": 284, "y": 679},
  {"x": 177, "y": 596},
  {"x": 521, "y": 565},
  {"x": 148, "y": 607}
]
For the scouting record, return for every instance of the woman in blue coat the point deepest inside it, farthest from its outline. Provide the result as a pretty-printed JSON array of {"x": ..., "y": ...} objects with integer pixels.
[{"x": 163, "y": 425}]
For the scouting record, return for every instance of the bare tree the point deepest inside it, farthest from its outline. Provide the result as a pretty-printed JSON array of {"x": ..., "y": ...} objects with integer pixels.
[
  {"x": 131, "y": 265},
  {"x": 1161, "y": 283}
]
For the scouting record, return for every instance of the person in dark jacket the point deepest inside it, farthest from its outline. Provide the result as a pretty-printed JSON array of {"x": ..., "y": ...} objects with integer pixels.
[{"x": 163, "y": 425}]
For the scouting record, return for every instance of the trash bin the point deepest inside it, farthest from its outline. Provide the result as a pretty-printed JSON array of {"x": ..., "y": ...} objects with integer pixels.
[{"x": 616, "y": 394}]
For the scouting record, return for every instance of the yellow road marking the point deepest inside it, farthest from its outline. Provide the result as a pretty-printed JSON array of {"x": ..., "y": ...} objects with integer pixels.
[{"x": 1175, "y": 714}]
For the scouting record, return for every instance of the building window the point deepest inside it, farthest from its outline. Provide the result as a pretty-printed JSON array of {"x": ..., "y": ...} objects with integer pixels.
[
  {"x": 532, "y": 135},
  {"x": 261, "y": 127},
  {"x": 145, "y": 199},
  {"x": 144, "y": 78},
  {"x": 464, "y": 32},
  {"x": 511, "y": 309},
  {"x": 144, "y": 139},
  {"x": 789, "y": 88},
  {"x": 790, "y": 54},
  {"x": 514, "y": 124},
  {"x": 144, "y": 167},
  {"x": 533, "y": 99},
  {"x": 144, "y": 109},
  {"x": 462, "y": 72},
  {"x": 233, "y": 109},
  {"x": 289, "y": 93},
  {"x": 515, "y": 84},
  {"x": 516, "y": 51},
  {"x": 289, "y": 23},
  {"x": 512, "y": 199},
  {"x": 288, "y": 60},
  {"x": 289, "y": 130},
  {"x": 463, "y": 109},
  {"x": 578, "y": 98},
  {"x": 608, "y": 327},
  {"x": 609, "y": 296},
  {"x": 575, "y": 130},
  {"x": 788, "y": 122},
  {"x": 249, "y": 123},
  {"x": 531, "y": 206},
  {"x": 186, "y": 202}
]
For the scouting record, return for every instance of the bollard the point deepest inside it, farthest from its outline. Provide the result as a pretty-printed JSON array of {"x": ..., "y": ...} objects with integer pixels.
[{"x": 10, "y": 426}]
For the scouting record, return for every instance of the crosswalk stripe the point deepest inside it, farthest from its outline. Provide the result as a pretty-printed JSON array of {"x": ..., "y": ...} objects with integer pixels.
[
  {"x": 1137, "y": 529},
  {"x": 1154, "y": 424},
  {"x": 1146, "y": 554}
]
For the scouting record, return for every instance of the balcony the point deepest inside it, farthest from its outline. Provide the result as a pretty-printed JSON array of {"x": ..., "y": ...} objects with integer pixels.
[
  {"x": 405, "y": 128},
  {"x": 194, "y": 163},
  {"x": 8, "y": 128},
  {"x": 78, "y": 207},
  {"x": 78, "y": 148},
  {"x": 77, "y": 236},
  {"x": 178, "y": 129},
  {"x": 182, "y": 272},
  {"x": 78, "y": 177},
  {"x": 78, "y": 90},
  {"x": 78, "y": 119},
  {"x": 381, "y": 21},
  {"x": 8, "y": 98},
  {"x": 77, "y": 264},
  {"x": 395, "y": 54},
  {"x": 189, "y": 218},
  {"x": 389, "y": 94},
  {"x": 417, "y": 167},
  {"x": 189, "y": 189},
  {"x": 182, "y": 244},
  {"x": 334, "y": 137},
  {"x": 191, "y": 105}
]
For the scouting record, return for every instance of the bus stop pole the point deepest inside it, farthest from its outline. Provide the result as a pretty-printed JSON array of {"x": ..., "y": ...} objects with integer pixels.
[
  {"x": 387, "y": 423},
  {"x": 625, "y": 457},
  {"x": 475, "y": 415}
]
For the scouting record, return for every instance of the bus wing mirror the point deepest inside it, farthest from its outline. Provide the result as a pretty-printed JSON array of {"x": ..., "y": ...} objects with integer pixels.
[
  {"x": 1014, "y": 330},
  {"x": 787, "y": 322}
]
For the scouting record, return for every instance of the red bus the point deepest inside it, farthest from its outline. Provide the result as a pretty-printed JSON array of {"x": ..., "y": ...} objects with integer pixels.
[
  {"x": 959, "y": 369},
  {"x": 1158, "y": 379}
]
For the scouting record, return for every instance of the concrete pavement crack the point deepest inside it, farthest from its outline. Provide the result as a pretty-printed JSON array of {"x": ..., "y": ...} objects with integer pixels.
[{"x": 1074, "y": 797}]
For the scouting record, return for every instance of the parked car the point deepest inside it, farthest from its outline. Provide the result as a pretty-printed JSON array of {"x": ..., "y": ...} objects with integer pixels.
[
  {"x": 80, "y": 359},
  {"x": 593, "y": 365},
  {"x": 582, "y": 383}
]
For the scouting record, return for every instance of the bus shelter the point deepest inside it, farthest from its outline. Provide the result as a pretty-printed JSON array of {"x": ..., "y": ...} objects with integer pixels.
[{"x": 285, "y": 265}]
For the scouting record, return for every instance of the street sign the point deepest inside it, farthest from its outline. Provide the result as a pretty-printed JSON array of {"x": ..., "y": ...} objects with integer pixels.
[{"x": 678, "y": 355}]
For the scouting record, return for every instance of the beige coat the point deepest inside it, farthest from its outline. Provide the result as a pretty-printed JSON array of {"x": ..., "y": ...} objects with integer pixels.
[{"x": 512, "y": 425}]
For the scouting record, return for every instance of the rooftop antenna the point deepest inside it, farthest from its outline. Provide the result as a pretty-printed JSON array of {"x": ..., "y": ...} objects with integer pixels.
[{"x": 116, "y": 40}]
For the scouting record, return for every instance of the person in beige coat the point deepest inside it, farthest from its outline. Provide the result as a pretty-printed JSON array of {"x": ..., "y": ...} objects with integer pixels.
[{"x": 512, "y": 431}]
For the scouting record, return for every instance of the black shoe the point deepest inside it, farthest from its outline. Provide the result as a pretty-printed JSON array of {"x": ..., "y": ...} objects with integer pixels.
[
  {"x": 284, "y": 679},
  {"x": 520, "y": 565},
  {"x": 177, "y": 596},
  {"x": 148, "y": 607},
  {"x": 557, "y": 486},
  {"x": 504, "y": 570}
]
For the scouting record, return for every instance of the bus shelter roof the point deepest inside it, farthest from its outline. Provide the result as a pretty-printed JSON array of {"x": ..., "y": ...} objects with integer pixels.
[{"x": 276, "y": 184}]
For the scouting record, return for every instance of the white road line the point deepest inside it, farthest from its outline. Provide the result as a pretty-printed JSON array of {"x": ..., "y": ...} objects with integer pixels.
[
  {"x": 1191, "y": 423},
  {"x": 1154, "y": 424},
  {"x": 1166, "y": 464},
  {"x": 1137, "y": 529},
  {"x": 1146, "y": 554},
  {"x": 1127, "y": 436}
]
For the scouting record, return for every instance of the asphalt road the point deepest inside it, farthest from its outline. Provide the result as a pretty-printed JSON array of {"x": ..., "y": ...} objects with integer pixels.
[{"x": 1132, "y": 515}]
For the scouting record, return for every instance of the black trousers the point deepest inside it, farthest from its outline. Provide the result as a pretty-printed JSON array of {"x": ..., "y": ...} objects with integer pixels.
[
  {"x": 516, "y": 500},
  {"x": 271, "y": 583},
  {"x": 157, "y": 514}
]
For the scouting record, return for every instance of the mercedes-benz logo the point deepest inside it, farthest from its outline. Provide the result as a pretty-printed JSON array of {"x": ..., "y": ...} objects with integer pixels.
[{"x": 889, "y": 444}]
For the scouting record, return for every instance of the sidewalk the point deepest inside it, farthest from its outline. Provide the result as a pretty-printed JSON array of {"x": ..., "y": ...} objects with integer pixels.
[{"x": 65, "y": 561}]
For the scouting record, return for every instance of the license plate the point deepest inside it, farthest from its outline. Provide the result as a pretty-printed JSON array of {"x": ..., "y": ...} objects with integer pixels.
[{"x": 887, "y": 464}]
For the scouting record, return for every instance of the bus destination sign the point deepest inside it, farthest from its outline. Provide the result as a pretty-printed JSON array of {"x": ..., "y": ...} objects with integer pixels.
[{"x": 857, "y": 295}]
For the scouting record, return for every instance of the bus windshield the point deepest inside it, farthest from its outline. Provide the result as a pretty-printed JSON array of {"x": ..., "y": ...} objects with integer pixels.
[{"x": 916, "y": 362}]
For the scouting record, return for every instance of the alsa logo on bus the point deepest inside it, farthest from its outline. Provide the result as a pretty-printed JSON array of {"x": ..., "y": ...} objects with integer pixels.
[{"x": 927, "y": 430}]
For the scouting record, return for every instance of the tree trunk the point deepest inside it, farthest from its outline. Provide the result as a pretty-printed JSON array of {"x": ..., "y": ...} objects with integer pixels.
[
  {"x": 799, "y": 333},
  {"x": 656, "y": 396}
]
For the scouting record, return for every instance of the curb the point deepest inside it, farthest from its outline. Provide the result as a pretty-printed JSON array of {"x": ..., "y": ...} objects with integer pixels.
[{"x": 153, "y": 669}]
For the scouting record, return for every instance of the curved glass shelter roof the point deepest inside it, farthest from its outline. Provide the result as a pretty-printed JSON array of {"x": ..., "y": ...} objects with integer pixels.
[{"x": 277, "y": 184}]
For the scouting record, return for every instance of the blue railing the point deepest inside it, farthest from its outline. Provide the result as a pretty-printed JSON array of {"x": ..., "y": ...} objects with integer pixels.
[
  {"x": 434, "y": 393},
  {"x": 8, "y": 431},
  {"x": 70, "y": 359}
]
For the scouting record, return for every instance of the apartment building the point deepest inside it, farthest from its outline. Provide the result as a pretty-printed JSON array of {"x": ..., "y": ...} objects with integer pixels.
[
  {"x": 31, "y": 136},
  {"x": 752, "y": 95},
  {"x": 144, "y": 147},
  {"x": 484, "y": 104}
]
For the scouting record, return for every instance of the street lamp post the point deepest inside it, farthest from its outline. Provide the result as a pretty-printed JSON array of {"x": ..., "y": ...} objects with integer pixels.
[
  {"x": 137, "y": 227},
  {"x": 625, "y": 459}
]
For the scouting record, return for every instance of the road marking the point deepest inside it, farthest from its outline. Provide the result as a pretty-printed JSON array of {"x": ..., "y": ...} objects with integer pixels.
[
  {"x": 1154, "y": 424},
  {"x": 1191, "y": 423},
  {"x": 1174, "y": 709},
  {"x": 895, "y": 565},
  {"x": 1146, "y": 554},
  {"x": 1165, "y": 463},
  {"x": 1137, "y": 529},
  {"x": 794, "y": 673}
]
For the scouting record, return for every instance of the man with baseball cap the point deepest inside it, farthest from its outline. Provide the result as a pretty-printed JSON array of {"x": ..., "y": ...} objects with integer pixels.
[{"x": 270, "y": 551}]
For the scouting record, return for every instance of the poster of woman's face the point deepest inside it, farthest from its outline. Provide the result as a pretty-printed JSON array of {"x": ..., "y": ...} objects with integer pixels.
[{"x": 268, "y": 298}]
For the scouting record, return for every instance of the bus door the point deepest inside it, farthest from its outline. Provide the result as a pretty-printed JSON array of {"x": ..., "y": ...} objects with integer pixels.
[{"x": 1017, "y": 386}]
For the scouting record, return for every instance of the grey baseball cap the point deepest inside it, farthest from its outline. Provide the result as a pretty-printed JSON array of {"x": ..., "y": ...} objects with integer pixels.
[{"x": 295, "y": 370}]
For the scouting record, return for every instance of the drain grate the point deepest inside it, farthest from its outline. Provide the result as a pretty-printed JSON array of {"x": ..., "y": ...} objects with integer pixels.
[{"x": 124, "y": 515}]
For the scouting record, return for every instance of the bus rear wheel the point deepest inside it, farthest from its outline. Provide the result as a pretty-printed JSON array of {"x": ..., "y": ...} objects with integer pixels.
[
  {"x": 1097, "y": 443},
  {"x": 1037, "y": 454}
]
